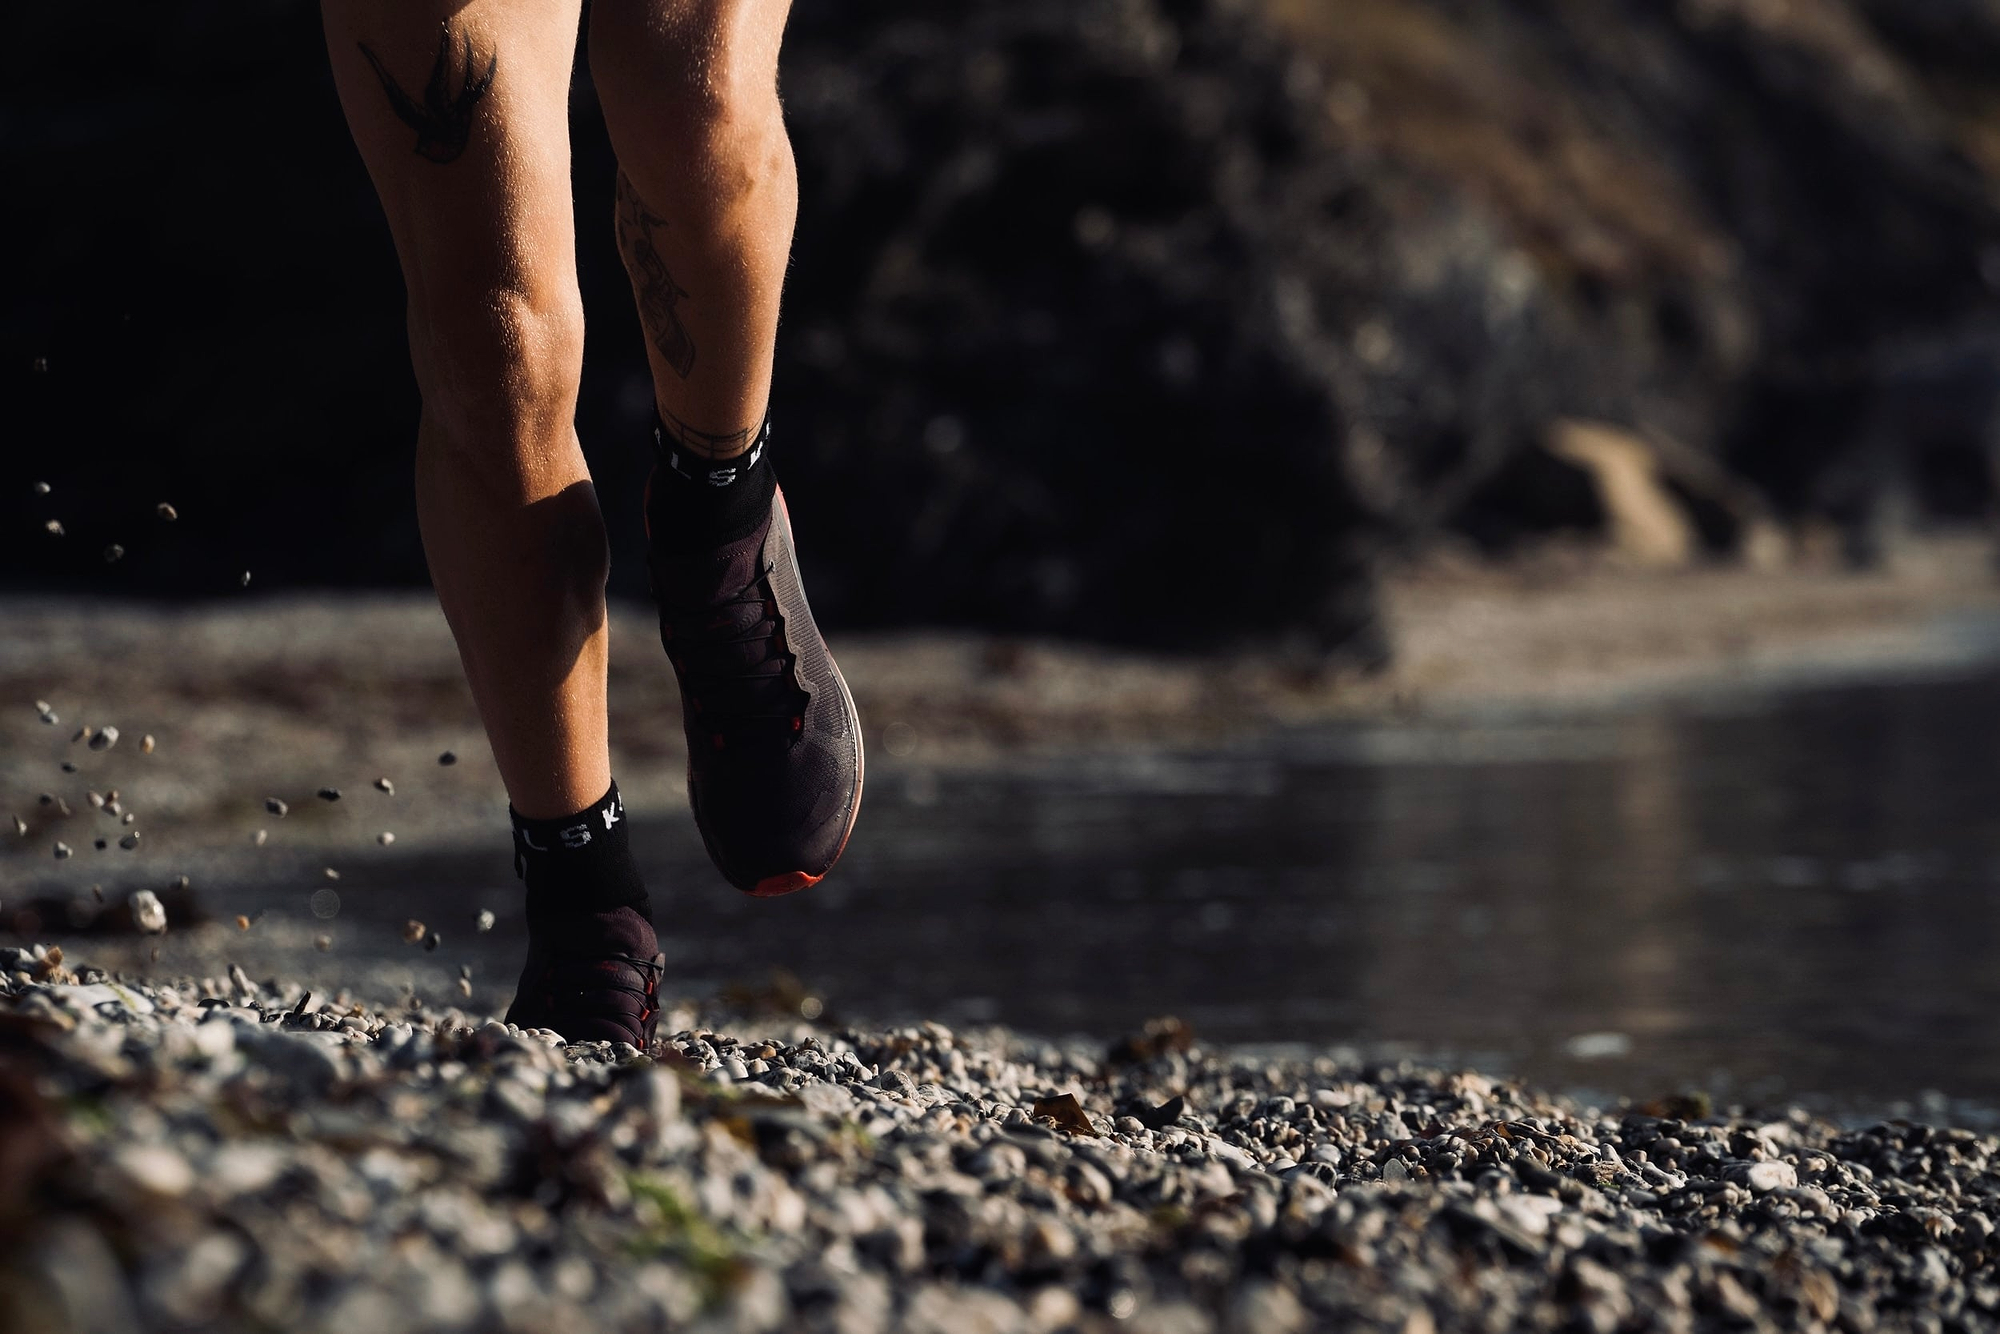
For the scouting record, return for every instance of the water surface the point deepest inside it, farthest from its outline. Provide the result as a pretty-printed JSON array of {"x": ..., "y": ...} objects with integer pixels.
[{"x": 1771, "y": 896}]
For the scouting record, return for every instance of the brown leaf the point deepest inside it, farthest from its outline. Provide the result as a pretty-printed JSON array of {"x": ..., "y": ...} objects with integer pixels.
[
  {"x": 1066, "y": 1112},
  {"x": 1160, "y": 1037}
]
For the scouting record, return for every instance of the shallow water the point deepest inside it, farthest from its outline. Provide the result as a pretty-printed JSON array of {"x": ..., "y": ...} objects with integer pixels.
[{"x": 1774, "y": 896}]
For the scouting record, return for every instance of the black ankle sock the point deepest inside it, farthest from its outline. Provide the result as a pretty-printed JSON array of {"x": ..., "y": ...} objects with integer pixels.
[
  {"x": 580, "y": 864},
  {"x": 698, "y": 503}
]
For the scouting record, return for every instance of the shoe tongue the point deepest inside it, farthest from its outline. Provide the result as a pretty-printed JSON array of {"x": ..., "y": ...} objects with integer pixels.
[
  {"x": 685, "y": 581},
  {"x": 619, "y": 931}
]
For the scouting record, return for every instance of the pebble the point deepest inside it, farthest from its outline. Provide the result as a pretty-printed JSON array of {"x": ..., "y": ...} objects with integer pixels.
[
  {"x": 328, "y": 794},
  {"x": 260, "y": 838},
  {"x": 447, "y": 759},
  {"x": 45, "y": 713},
  {"x": 41, "y": 488},
  {"x": 276, "y": 807},
  {"x": 63, "y": 850},
  {"x": 105, "y": 739},
  {"x": 130, "y": 841},
  {"x": 413, "y": 931},
  {"x": 166, "y": 512},
  {"x": 146, "y": 744},
  {"x": 149, "y": 915},
  {"x": 384, "y": 785},
  {"x": 54, "y": 527},
  {"x": 483, "y": 923},
  {"x": 385, "y": 838},
  {"x": 113, "y": 554}
]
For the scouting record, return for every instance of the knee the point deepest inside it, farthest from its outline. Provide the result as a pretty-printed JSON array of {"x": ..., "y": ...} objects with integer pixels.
[
  {"x": 498, "y": 368},
  {"x": 712, "y": 64},
  {"x": 704, "y": 79}
]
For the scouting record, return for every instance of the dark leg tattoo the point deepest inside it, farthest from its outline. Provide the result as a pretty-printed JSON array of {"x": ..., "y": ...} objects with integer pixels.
[
  {"x": 708, "y": 444},
  {"x": 657, "y": 291},
  {"x": 444, "y": 122}
]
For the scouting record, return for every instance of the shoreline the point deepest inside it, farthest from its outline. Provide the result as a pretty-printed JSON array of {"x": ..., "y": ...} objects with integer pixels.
[
  {"x": 279, "y": 697},
  {"x": 242, "y": 1155}
]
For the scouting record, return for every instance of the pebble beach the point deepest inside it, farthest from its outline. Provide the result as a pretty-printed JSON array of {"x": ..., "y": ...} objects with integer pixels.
[
  {"x": 322, "y": 1146},
  {"x": 234, "y": 1153}
]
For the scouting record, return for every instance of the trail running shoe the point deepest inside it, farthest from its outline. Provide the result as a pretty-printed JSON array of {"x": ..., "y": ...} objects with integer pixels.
[
  {"x": 582, "y": 984},
  {"x": 774, "y": 744}
]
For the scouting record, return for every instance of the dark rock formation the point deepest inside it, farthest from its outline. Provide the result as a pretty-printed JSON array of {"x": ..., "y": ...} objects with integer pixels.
[{"x": 1151, "y": 320}]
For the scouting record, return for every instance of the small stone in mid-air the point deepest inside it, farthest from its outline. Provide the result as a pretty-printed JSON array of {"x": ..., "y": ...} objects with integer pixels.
[
  {"x": 385, "y": 838},
  {"x": 130, "y": 841},
  {"x": 242, "y": 922},
  {"x": 332, "y": 874},
  {"x": 485, "y": 919},
  {"x": 55, "y": 527},
  {"x": 413, "y": 931},
  {"x": 146, "y": 744},
  {"x": 166, "y": 511},
  {"x": 20, "y": 826},
  {"x": 328, "y": 794},
  {"x": 46, "y": 713},
  {"x": 260, "y": 838},
  {"x": 276, "y": 807},
  {"x": 431, "y": 942},
  {"x": 106, "y": 738},
  {"x": 41, "y": 488},
  {"x": 246, "y": 579},
  {"x": 62, "y": 850},
  {"x": 113, "y": 554},
  {"x": 148, "y": 913},
  {"x": 322, "y": 943},
  {"x": 384, "y": 785}
]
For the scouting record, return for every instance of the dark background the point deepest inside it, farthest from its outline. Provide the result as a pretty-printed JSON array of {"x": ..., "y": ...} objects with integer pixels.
[{"x": 1163, "y": 322}]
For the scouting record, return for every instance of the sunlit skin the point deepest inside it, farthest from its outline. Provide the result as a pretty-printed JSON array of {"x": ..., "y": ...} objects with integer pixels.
[{"x": 461, "y": 112}]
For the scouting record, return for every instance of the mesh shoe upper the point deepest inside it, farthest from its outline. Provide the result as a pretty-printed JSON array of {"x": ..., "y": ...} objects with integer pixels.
[
  {"x": 593, "y": 978},
  {"x": 774, "y": 746}
]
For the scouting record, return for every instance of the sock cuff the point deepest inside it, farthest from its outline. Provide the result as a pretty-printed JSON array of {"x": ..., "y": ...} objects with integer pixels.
[
  {"x": 696, "y": 504},
  {"x": 689, "y": 466},
  {"x": 579, "y": 863},
  {"x": 596, "y": 825}
]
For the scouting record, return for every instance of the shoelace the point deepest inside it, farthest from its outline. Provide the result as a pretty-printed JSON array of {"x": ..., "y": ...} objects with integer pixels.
[
  {"x": 649, "y": 971},
  {"x": 734, "y": 661}
]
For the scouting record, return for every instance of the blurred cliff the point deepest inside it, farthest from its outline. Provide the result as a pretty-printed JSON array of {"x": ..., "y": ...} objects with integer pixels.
[{"x": 1163, "y": 321}]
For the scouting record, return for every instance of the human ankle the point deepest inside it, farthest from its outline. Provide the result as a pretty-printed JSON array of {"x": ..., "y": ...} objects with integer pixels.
[{"x": 579, "y": 865}]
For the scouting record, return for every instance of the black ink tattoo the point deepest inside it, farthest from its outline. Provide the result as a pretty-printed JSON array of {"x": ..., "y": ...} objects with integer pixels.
[
  {"x": 444, "y": 121},
  {"x": 656, "y": 289},
  {"x": 708, "y": 444}
]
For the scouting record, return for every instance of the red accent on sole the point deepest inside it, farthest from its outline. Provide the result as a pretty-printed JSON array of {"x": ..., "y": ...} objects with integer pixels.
[{"x": 771, "y": 886}]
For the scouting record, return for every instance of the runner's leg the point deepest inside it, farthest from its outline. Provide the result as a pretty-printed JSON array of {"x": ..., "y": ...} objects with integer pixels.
[
  {"x": 707, "y": 195},
  {"x": 461, "y": 113}
]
